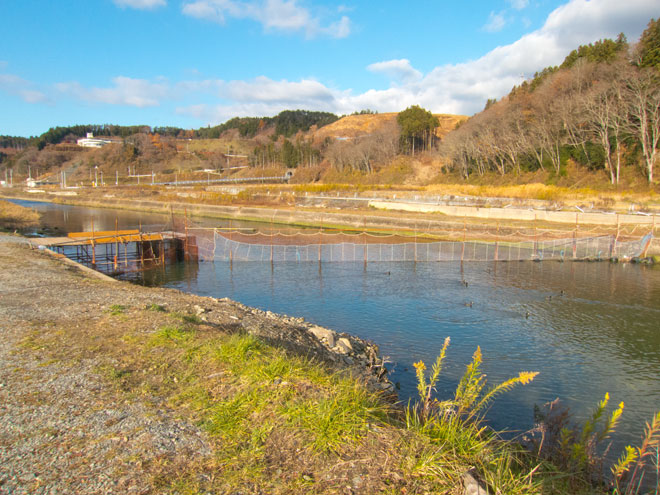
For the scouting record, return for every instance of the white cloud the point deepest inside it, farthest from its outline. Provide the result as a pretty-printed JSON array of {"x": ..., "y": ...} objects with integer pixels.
[
  {"x": 496, "y": 22},
  {"x": 140, "y": 4},
  {"x": 265, "y": 97},
  {"x": 457, "y": 88},
  {"x": 273, "y": 15},
  {"x": 461, "y": 88},
  {"x": 519, "y": 4},
  {"x": 397, "y": 69},
  {"x": 18, "y": 86},
  {"x": 126, "y": 91},
  {"x": 265, "y": 90},
  {"x": 465, "y": 87}
]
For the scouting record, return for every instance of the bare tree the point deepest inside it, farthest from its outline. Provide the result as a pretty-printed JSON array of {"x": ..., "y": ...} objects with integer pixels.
[
  {"x": 606, "y": 115},
  {"x": 642, "y": 92}
]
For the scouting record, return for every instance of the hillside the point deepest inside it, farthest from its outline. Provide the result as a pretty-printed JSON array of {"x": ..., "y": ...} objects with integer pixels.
[{"x": 352, "y": 126}]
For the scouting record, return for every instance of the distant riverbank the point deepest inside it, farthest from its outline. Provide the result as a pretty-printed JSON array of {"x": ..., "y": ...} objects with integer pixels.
[{"x": 405, "y": 217}]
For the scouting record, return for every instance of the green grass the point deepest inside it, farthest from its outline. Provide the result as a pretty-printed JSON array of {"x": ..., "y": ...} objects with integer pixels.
[
  {"x": 282, "y": 423},
  {"x": 171, "y": 336},
  {"x": 187, "y": 318},
  {"x": 116, "y": 309}
]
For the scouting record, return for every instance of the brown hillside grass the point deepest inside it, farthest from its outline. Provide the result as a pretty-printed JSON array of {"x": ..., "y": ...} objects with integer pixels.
[{"x": 360, "y": 125}]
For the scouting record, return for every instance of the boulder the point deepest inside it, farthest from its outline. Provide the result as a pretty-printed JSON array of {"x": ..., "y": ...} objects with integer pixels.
[{"x": 324, "y": 334}]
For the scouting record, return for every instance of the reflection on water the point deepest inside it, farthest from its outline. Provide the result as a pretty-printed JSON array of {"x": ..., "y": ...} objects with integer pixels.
[{"x": 588, "y": 328}]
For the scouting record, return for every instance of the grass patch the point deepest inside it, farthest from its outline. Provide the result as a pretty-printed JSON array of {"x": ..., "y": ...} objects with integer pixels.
[
  {"x": 116, "y": 309},
  {"x": 13, "y": 216},
  {"x": 340, "y": 419},
  {"x": 281, "y": 423},
  {"x": 171, "y": 336},
  {"x": 187, "y": 318}
]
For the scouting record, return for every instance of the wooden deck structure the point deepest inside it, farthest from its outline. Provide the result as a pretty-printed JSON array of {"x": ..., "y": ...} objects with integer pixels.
[{"x": 121, "y": 250}]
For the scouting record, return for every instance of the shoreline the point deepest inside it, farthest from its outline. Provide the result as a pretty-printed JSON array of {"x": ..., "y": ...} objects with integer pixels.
[
  {"x": 60, "y": 323},
  {"x": 106, "y": 386},
  {"x": 402, "y": 223}
]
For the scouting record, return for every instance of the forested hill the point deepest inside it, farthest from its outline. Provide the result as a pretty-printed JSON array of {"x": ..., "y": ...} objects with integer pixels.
[
  {"x": 599, "y": 109},
  {"x": 286, "y": 123},
  {"x": 597, "y": 112}
]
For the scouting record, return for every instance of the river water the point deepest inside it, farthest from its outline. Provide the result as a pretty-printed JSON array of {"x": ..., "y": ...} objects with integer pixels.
[{"x": 588, "y": 328}]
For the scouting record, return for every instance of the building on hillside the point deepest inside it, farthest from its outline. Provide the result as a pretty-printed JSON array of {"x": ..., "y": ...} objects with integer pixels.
[{"x": 91, "y": 142}]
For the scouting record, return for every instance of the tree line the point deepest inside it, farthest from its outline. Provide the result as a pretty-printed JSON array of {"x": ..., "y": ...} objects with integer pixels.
[{"x": 600, "y": 107}]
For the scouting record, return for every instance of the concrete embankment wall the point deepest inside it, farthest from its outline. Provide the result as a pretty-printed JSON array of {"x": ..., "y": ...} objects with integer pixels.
[{"x": 570, "y": 217}]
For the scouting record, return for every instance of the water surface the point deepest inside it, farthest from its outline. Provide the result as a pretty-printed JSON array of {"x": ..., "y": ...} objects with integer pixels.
[{"x": 588, "y": 328}]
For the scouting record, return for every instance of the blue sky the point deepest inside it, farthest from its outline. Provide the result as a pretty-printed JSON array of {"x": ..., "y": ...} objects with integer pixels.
[{"x": 190, "y": 63}]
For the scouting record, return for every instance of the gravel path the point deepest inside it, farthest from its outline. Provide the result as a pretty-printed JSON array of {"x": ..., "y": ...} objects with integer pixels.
[{"x": 60, "y": 429}]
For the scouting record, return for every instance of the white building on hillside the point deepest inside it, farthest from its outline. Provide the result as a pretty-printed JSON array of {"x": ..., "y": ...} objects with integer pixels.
[{"x": 91, "y": 142}]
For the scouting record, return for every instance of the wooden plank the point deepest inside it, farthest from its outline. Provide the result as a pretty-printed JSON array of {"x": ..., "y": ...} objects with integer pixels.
[
  {"x": 123, "y": 238},
  {"x": 102, "y": 233}
]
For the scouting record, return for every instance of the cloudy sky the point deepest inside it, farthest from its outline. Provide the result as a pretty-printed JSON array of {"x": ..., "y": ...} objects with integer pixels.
[{"x": 190, "y": 63}]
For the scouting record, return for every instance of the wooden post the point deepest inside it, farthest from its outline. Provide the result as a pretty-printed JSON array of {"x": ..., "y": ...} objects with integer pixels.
[
  {"x": 497, "y": 239},
  {"x": 575, "y": 237},
  {"x": 93, "y": 244},
  {"x": 116, "y": 241},
  {"x": 536, "y": 241},
  {"x": 186, "y": 256},
  {"x": 616, "y": 238},
  {"x": 415, "y": 242},
  {"x": 464, "y": 233},
  {"x": 364, "y": 235},
  {"x": 321, "y": 238}
]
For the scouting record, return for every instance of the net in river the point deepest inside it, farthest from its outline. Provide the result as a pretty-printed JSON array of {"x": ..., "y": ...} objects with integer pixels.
[{"x": 221, "y": 245}]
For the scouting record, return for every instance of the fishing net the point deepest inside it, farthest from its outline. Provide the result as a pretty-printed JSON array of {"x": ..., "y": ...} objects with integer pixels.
[{"x": 221, "y": 245}]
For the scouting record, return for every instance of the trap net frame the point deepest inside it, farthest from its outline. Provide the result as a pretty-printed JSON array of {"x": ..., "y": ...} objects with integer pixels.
[{"x": 450, "y": 243}]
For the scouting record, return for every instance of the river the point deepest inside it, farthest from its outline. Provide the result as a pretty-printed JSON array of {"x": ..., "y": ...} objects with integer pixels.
[{"x": 587, "y": 328}]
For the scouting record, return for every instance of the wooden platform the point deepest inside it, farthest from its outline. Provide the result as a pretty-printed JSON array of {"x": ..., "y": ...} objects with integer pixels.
[{"x": 101, "y": 237}]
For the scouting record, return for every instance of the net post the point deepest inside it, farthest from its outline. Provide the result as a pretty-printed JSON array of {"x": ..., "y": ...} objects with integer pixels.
[
  {"x": 464, "y": 233},
  {"x": 497, "y": 240},
  {"x": 116, "y": 241},
  {"x": 616, "y": 238},
  {"x": 536, "y": 239},
  {"x": 364, "y": 236},
  {"x": 415, "y": 244},
  {"x": 320, "y": 238},
  {"x": 575, "y": 231}
]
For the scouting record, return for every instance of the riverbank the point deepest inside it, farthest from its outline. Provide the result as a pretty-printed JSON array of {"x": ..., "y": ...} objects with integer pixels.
[
  {"x": 108, "y": 387},
  {"x": 491, "y": 223},
  {"x": 101, "y": 386}
]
